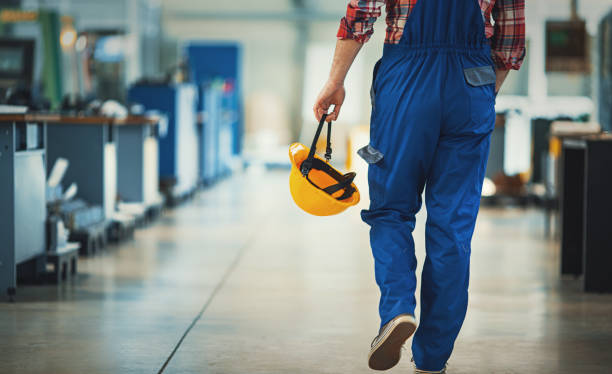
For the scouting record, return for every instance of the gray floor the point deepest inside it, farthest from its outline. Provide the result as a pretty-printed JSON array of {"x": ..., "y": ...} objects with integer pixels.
[{"x": 282, "y": 292}]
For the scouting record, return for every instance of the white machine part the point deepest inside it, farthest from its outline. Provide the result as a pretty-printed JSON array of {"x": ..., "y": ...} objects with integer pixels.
[
  {"x": 58, "y": 172},
  {"x": 70, "y": 192}
]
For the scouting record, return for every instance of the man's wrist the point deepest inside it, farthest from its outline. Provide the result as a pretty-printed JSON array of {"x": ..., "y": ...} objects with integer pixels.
[{"x": 335, "y": 82}]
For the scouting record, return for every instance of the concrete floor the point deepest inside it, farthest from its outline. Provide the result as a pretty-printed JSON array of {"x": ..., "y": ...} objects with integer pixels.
[{"x": 240, "y": 281}]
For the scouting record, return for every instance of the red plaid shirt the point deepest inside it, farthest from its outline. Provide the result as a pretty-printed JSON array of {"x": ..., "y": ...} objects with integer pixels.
[{"x": 507, "y": 34}]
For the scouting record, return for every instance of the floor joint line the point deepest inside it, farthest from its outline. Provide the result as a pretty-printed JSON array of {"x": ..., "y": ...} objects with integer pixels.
[{"x": 216, "y": 290}]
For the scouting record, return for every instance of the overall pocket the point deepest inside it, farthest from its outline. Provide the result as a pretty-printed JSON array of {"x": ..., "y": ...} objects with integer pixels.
[
  {"x": 373, "y": 87},
  {"x": 481, "y": 91},
  {"x": 370, "y": 154}
]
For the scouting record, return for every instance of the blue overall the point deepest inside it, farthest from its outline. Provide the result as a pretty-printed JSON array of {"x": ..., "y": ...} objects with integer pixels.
[{"x": 433, "y": 113}]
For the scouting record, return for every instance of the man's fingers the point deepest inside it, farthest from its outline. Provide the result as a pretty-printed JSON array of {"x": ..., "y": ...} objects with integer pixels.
[
  {"x": 333, "y": 116},
  {"x": 319, "y": 109},
  {"x": 336, "y": 113},
  {"x": 320, "y": 113}
]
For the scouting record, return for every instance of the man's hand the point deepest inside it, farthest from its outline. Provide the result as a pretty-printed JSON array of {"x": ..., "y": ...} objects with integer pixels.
[
  {"x": 331, "y": 94},
  {"x": 333, "y": 91}
]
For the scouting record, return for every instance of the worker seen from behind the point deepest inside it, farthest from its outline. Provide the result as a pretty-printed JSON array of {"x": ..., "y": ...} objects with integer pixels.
[{"x": 433, "y": 96}]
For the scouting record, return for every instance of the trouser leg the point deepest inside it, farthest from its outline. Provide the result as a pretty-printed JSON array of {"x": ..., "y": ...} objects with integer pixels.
[
  {"x": 394, "y": 262},
  {"x": 406, "y": 133},
  {"x": 452, "y": 198}
]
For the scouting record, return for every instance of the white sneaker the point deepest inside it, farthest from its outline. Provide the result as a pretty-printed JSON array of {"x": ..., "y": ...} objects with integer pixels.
[
  {"x": 386, "y": 348},
  {"x": 419, "y": 371}
]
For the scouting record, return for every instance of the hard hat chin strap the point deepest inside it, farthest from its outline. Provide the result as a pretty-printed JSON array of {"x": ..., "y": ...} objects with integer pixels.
[
  {"x": 307, "y": 164},
  {"x": 328, "y": 150},
  {"x": 344, "y": 181}
]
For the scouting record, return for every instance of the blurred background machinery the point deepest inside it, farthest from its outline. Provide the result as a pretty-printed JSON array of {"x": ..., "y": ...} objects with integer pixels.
[{"x": 150, "y": 100}]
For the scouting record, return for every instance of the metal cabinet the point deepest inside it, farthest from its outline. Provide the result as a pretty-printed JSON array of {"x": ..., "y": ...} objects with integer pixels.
[
  {"x": 137, "y": 161},
  {"x": 22, "y": 196},
  {"x": 586, "y": 203},
  {"x": 178, "y": 146}
]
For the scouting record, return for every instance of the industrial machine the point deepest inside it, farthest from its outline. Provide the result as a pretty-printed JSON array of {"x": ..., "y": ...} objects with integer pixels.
[
  {"x": 211, "y": 62},
  {"x": 178, "y": 146},
  {"x": 22, "y": 198},
  {"x": 215, "y": 69},
  {"x": 138, "y": 166},
  {"x": 67, "y": 213},
  {"x": 217, "y": 133},
  {"x": 89, "y": 144},
  {"x": 208, "y": 135},
  {"x": 38, "y": 33},
  {"x": 16, "y": 70}
]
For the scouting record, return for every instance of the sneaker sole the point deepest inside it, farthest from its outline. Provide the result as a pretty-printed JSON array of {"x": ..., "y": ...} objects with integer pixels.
[{"x": 387, "y": 353}]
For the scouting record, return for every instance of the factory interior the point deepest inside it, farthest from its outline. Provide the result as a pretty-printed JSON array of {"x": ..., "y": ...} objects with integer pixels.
[{"x": 146, "y": 218}]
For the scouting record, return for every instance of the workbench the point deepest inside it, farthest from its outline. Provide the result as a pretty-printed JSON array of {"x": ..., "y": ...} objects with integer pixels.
[
  {"x": 22, "y": 195},
  {"x": 586, "y": 205},
  {"x": 29, "y": 143}
]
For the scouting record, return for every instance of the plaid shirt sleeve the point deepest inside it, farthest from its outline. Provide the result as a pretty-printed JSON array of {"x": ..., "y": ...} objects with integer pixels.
[
  {"x": 358, "y": 24},
  {"x": 508, "y": 40}
]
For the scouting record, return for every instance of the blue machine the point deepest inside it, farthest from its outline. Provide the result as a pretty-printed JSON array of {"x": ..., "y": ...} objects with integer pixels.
[
  {"x": 178, "y": 147},
  {"x": 227, "y": 126},
  {"x": 217, "y": 131},
  {"x": 209, "y": 62},
  {"x": 209, "y": 135}
]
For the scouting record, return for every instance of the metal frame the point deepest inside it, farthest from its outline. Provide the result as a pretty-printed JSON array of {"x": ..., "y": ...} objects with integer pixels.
[{"x": 22, "y": 198}]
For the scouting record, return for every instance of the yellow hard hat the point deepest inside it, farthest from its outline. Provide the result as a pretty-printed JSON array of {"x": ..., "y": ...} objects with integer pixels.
[{"x": 315, "y": 185}]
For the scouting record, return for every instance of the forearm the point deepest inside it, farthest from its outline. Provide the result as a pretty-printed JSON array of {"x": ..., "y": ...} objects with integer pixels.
[
  {"x": 346, "y": 51},
  {"x": 355, "y": 29},
  {"x": 508, "y": 39}
]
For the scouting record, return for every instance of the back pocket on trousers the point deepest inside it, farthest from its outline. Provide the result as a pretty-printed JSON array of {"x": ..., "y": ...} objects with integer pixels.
[
  {"x": 481, "y": 90},
  {"x": 480, "y": 75}
]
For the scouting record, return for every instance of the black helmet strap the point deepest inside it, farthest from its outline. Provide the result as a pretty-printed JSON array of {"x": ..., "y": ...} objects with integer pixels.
[
  {"x": 344, "y": 181},
  {"x": 307, "y": 164}
]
